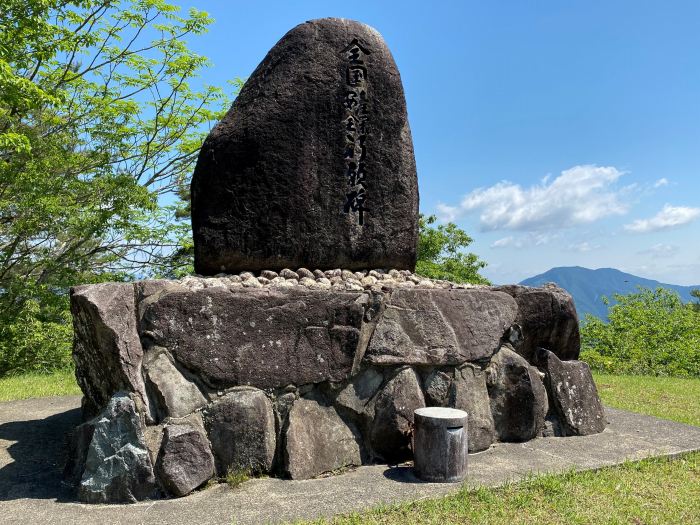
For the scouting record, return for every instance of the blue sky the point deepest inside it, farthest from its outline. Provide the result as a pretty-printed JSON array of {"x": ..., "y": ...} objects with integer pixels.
[{"x": 555, "y": 133}]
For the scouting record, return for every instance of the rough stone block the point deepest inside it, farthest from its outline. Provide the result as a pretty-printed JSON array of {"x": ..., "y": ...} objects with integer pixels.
[
  {"x": 469, "y": 393},
  {"x": 518, "y": 397},
  {"x": 176, "y": 396},
  {"x": 440, "y": 327},
  {"x": 573, "y": 393},
  {"x": 241, "y": 429},
  {"x": 107, "y": 350},
  {"x": 185, "y": 460},
  {"x": 390, "y": 433},
  {"x": 548, "y": 318},
  {"x": 356, "y": 396},
  {"x": 318, "y": 441},
  {"x": 118, "y": 467},
  {"x": 436, "y": 388}
]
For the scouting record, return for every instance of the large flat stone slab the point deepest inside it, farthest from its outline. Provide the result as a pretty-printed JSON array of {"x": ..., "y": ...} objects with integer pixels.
[
  {"x": 441, "y": 327},
  {"x": 32, "y": 499},
  {"x": 265, "y": 338}
]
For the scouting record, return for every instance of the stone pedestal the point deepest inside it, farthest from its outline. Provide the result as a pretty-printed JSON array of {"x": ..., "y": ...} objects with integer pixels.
[
  {"x": 305, "y": 373},
  {"x": 440, "y": 444}
]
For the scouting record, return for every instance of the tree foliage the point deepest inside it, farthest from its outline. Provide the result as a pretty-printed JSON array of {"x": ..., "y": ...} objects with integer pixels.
[
  {"x": 649, "y": 332},
  {"x": 441, "y": 253},
  {"x": 99, "y": 127}
]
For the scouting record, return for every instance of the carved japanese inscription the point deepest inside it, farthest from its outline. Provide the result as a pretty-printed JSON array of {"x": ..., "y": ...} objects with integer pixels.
[{"x": 356, "y": 116}]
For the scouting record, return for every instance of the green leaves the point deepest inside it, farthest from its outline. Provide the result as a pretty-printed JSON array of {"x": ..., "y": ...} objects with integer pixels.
[
  {"x": 99, "y": 128},
  {"x": 649, "y": 332},
  {"x": 441, "y": 256}
]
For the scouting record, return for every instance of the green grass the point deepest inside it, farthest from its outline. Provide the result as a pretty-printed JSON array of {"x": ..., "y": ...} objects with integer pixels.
[
  {"x": 235, "y": 477},
  {"x": 643, "y": 492},
  {"x": 665, "y": 397},
  {"x": 24, "y": 386}
]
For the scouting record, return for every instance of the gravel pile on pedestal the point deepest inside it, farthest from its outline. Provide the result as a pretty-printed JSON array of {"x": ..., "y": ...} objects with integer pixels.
[{"x": 337, "y": 279}]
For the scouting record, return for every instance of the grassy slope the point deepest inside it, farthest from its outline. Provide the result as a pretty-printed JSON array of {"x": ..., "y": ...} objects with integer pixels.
[
  {"x": 665, "y": 397},
  {"x": 38, "y": 385},
  {"x": 644, "y": 492}
]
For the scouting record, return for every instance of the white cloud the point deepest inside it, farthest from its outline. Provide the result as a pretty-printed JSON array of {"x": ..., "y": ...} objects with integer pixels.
[
  {"x": 506, "y": 242},
  {"x": 668, "y": 217},
  {"x": 580, "y": 195},
  {"x": 530, "y": 239},
  {"x": 584, "y": 247},
  {"x": 661, "y": 182},
  {"x": 660, "y": 250}
]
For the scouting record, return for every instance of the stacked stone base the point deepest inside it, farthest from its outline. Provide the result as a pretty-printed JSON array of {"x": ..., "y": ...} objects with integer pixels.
[{"x": 189, "y": 380}]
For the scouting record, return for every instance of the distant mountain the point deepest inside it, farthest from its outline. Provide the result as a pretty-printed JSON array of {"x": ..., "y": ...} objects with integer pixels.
[{"x": 589, "y": 286}]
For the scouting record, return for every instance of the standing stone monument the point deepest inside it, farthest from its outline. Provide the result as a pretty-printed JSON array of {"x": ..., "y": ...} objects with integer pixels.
[
  {"x": 296, "y": 373},
  {"x": 313, "y": 165}
]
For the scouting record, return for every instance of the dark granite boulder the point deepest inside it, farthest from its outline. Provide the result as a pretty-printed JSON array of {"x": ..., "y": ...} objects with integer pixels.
[
  {"x": 573, "y": 394},
  {"x": 267, "y": 338},
  {"x": 440, "y": 327},
  {"x": 318, "y": 440},
  {"x": 518, "y": 397},
  {"x": 390, "y": 433},
  {"x": 241, "y": 429},
  {"x": 117, "y": 466},
  {"x": 185, "y": 460},
  {"x": 175, "y": 395},
  {"x": 468, "y": 392},
  {"x": 313, "y": 165},
  {"x": 548, "y": 318},
  {"x": 436, "y": 387},
  {"x": 106, "y": 348}
]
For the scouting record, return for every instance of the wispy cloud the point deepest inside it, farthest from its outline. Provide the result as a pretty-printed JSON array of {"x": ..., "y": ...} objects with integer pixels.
[
  {"x": 530, "y": 239},
  {"x": 583, "y": 247},
  {"x": 669, "y": 217},
  {"x": 660, "y": 250},
  {"x": 580, "y": 195},
  {"x": 661, "y": 182}
]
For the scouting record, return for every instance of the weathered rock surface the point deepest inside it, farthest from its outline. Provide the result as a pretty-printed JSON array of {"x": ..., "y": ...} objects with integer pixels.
[
  {"x": 118, "y": 468},
  {"x": 313, "y": 165},
  {"x": 548, "y": 319},
  {"x": 176, "y": 396},
  {"x": 241, "y": 429},
  {"x": 264, "y": 338},
  {"x": 518, "y": 397},
  {"x": 573, "y": 393},
  {"x": 440, "y": 327},
  {"x": 185, "y": 460},
  {"x": 106, "y": 348},
  {"x": 390, "y": 433},
  {"x": 78, "y": 447},
  {"x": 468, "y": 392},
  {"x": 358, "y": 393},
  {"x": 318, "y": 440},
  {"x": 436, "y": 388}
]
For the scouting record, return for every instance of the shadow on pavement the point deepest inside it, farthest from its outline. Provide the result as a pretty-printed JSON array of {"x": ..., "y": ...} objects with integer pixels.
[
  {"x": 39, "y": 456},
  {"x": 402, "y": 474}
]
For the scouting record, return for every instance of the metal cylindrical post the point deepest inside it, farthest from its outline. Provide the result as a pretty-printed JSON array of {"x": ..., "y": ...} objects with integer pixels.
[{"x": 440, "y": 444}]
